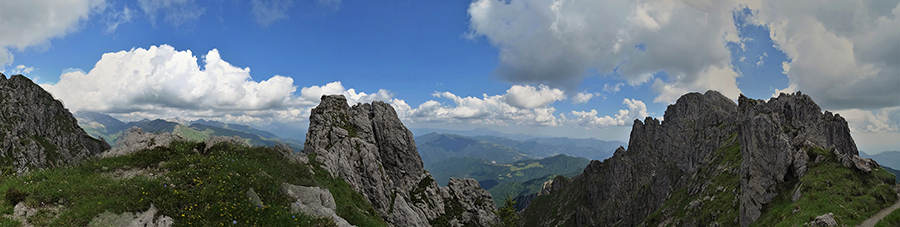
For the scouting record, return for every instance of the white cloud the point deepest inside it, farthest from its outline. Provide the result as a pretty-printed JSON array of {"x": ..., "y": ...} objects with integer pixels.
[
  {"x": 528, "y": 97},
  {"x": 762, "y": 59},
  {"x": 267, "y": 11},
  {"x": 712, "y": 78},
  {"x": 883, "y": 120},
  {"x": 843, "y": 53},
  {"x": 176, "y": 12},
  {"x": 330, "y": 4},
  {"x": 584, "y": 97},
  {"x": 636, "y": 110},
  {"x": 22, "y": 69},
  {"x": 613, "y": 88},
  {"x": 496, "y": 110},
  {"x": 161, "y": 82},
  {"x": 33, "y": 23},
  {"x": 555, "y": 42},
  {"x": 116, "y": 18}
]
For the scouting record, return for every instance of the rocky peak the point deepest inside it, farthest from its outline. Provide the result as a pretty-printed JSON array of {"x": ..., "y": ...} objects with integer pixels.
[
  {"x": 774, "y": 135},
  {"x": 684, "y": 152},
  {"x": 369, "y": 147},
  {"x": 36, "y": 130}
]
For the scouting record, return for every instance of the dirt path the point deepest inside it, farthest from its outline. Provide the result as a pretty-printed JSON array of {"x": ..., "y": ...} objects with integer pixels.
[{"x": 874, "y": 219}]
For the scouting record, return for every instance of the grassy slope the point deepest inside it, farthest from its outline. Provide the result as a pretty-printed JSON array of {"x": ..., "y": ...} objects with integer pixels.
[
  {"x": 829, "y": 187},
  {"x": 892, "y": 219},
  {"x": 194, "y": 189}
]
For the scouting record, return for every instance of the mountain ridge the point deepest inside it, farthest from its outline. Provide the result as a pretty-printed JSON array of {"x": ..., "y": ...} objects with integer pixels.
[
  {"x": 37, "y": 131},
  {"x": 752, "y": 152}
]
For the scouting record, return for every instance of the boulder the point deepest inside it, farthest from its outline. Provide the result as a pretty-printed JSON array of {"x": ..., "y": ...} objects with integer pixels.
[
  {"x": 313, "y": 201},
  {"x": 823, "y": 220},
  {"x": 135, "y": 139}
]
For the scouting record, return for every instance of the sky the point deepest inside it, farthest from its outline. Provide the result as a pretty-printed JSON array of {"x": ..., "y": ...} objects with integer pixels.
[{"x": 544, "y": 67}]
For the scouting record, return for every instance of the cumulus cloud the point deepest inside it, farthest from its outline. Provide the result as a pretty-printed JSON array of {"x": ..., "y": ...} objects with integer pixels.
[
  {"x": 636, "y": 110},
  {"x": 267, "y": 11},
  {"x": 843, "y": 53},
  {"x": 528, "y": 97},
  {"x": 612, "y": 88},
  {"x": 583, "y": 97},
  {"x": 882, "y": 120},
  {"x": 498, "y": 110},
  {"x": 33, "y": 23},
  {"x": 176, "y": 12},
  {"x": 161, "y": 82},
  {"x": 555, "y": 42}
]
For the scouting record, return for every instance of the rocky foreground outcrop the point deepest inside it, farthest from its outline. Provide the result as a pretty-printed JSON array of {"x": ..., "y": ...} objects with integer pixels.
[
  {"x": 369, "y": 147},
  {"x": 36, "y": 130},
  {"x": 684, "y": 152}
]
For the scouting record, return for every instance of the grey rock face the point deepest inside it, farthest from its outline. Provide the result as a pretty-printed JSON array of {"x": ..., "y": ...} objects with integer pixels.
[
  {"x": 313, "y": 201},
  {"x": 36, "y": 130},
  {"x": 135, "y": 139},
  {"x": 369, "y": 147},
  {"x": 660, "y": 159},
  {"x": 774, "y": 135},
  {"x": 215, "y": 140},
  {"x": 476, "y": 203},
  {"x": 663, "y": 157},
  {"x": 143, "y": 219},
  {"x": 823, "y": 220}
]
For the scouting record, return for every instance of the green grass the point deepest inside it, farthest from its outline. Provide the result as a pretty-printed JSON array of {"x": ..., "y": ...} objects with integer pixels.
[
  {"x": 6, "y": 222},
  {"x": 194, "y": 189},
  {"x": 892, "y": 219},
  {"x": 829, "y": 187}
]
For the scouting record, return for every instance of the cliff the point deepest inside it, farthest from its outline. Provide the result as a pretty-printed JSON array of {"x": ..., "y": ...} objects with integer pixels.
[
  {"x": 36, "y": 130},
  {"x": 713, "y": 162},
  {"x": 368, "y": 146}
]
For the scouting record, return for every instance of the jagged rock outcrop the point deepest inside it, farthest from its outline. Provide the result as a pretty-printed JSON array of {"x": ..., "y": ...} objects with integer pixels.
[
  {"x": 369, "y": 147},
  {"x": 141, "y": 219},
  {"x": 313, "y": 201},
  {"x": 697, "y": 142},
  {"x": 135, "y": 139},
  {"x": 36, "y": 130},
  {"x": 773, "y": 135},
  {"x": 628, "y": 187}
]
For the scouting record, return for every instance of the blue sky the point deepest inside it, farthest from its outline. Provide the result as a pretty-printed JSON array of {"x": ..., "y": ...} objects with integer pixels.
[{"x": 562, "y": 68}]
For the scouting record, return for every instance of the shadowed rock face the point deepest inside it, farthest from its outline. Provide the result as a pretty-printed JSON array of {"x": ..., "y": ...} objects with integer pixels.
[
  {"x": 369, "y": 147},
  {"x": 664, "y": 157},
  {"x": 36, "y": 130},
  {"x": 773, "y": 134}
]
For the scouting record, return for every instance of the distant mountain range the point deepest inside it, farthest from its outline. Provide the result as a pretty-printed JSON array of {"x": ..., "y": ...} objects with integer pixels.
[
  {"x": 100, "y": 125},
  {"x": 887, "y": 158},
  {"x": 434, "y": 147},
  {"x": 519, "y": 178}
]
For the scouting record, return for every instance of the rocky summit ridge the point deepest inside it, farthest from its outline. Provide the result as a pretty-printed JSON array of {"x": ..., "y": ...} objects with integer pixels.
[
  {"x": 368, "y": 146},
  {"x": 742, "y": 155},
  {"x": 37, "y": 131}
]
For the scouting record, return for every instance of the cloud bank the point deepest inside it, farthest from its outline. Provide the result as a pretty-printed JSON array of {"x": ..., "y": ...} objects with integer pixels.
[
  {"x": 161, "y": 82},
  {"x": 845, "y": 53}
]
